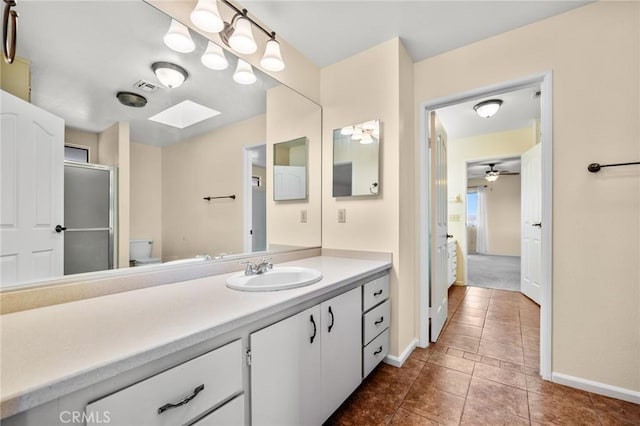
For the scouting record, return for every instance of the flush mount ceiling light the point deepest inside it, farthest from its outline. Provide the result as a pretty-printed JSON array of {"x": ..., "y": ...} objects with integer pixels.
[
  {"x": 214, "y": 58},
  {"x": 244, "y": 73},
  {"x": 488, "y": 109},
  {"x": 131, "y": 99},
  {"x": 170, "y": 75},
  {"x": 238, "y": 34},
  {"x": 207, "y": 17},
  {"x": 178, "y": 38}
]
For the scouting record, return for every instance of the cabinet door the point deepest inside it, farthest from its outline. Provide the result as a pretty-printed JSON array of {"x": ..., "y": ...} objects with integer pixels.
[
  {"x": 285, "y": 371},
  {"x": 341, "y": 348}
]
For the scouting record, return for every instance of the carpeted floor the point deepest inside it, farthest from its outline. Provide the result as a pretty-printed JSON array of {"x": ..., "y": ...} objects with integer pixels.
[{"x": 499, "y": 272}]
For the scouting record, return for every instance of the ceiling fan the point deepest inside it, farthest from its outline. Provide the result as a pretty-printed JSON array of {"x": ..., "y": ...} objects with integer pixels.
[{"x": 492, "y": 174}]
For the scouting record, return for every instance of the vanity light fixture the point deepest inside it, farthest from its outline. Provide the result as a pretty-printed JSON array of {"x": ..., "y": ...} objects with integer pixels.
[
  {"x": 244, "y": 73},
  {"x": 207, "y": 17},
  {"x": 347, "y": 131},
  {"x": 238, "y": 34},
  {"x": 214, "y": 58},
  {"x": 366, "y": 139},
  {"x": 178, "y": 38},
  {"x": 488, "y": 109},
  {"x": 170, "y": 75},
  {"x": 357, "y": 133}
]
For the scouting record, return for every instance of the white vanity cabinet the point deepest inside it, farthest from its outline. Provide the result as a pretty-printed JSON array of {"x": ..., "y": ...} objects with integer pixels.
[
  {"x": 304, "y": 367},
  {"x": 376, "y": 317},
  {"x": 452, "y": 253},
  {"x": 180, "y": 394}
]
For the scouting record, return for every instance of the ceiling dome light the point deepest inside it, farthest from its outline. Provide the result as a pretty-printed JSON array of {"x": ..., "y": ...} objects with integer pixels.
[
  {"x": 178, "y": 38},
  {"x": 214, "y": 58},
  {"x": 242, "y": 38},
  {"x": 131, "y": 99},
  {"x": 207, "y": 17},
  {"x": 488, "y": 109},
  {"x": 170, "y": 75},
  {"x": 244, "y": 73},
  {"x": 366, "y": 139},
  {"x": 272, "y": 58}
]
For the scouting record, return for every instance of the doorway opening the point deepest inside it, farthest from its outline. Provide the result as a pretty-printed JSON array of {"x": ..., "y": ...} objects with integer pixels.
[
  {"x": 255, "y": 198},
  {"x": 433, "y": 201}
]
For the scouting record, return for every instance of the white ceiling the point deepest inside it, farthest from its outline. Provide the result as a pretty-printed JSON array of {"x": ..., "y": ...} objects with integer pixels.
[
  {"x": 479, "y": 169},
  {"x": 329, "y": 31},
  {"x": 518, "y": 110},
  {"x": 83, "y": 52}
]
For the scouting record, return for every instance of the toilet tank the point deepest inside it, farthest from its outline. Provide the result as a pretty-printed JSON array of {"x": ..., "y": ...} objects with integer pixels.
[{"x": 139, "y": 249}]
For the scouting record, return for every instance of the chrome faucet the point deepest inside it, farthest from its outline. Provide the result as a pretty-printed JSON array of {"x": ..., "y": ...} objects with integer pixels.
[{"x": 257, "y": 268}]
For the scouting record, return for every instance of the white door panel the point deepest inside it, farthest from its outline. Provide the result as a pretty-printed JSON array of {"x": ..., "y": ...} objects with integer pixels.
[
  {"x": 531, "y": 178},
  {"x": 439, "y": 211},
  {"x": 31, "y": 185}
]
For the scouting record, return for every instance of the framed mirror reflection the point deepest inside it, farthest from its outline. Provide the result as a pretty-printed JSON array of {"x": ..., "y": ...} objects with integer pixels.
[{"x": 356, "y": 160}]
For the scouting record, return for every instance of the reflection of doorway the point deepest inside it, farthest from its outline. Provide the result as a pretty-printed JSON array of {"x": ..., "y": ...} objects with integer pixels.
[{"x": 255, "y": 196}]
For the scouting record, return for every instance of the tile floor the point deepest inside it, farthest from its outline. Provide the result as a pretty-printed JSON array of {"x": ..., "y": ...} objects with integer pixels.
[{"x": 482, "y": 371}]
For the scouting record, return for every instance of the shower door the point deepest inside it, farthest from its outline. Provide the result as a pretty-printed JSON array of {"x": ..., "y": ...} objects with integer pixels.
[{"x": 89, "y": 194}]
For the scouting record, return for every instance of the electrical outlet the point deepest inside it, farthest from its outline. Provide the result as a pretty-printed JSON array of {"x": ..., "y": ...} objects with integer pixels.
[
  {"x": 303, "y": 216},
  {"x": 342, "y": 215}
]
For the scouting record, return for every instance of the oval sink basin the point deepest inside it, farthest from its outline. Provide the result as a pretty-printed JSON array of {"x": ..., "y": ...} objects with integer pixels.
[{"x": 279, "y": 278}]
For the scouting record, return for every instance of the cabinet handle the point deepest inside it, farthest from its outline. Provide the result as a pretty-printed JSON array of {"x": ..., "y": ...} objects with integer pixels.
[
  {"x": 185, "y": 401},
  {"x": 333, "y": 320},
  {"x": 379, "y": 321},
  {"x": 378, "y": 293},
  {"x": 378, "y": 351},
  {"x": 314, "y": 328}
]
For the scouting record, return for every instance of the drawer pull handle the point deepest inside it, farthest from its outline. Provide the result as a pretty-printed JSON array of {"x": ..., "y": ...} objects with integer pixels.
[
  {"x": 379, "y": 321},
  {"x": 378, "y": 293},
  {"x": 378, "y": 351},
  {"x": 333, "y": 319},
  {"x": 185, "y": 401},
  {"x": 314, "y": 328}
]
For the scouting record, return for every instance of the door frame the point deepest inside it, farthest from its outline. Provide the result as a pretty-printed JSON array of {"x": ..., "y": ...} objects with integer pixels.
[
  {"x": 247, "y": 206},
  {"x": 544, "y": 79}
]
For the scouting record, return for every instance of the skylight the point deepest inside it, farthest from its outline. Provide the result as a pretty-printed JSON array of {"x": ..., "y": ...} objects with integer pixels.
[{"x": 184, "y": 114}]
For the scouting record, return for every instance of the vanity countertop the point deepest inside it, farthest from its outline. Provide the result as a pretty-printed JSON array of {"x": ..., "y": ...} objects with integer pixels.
[{"x": 49, "y": 352}]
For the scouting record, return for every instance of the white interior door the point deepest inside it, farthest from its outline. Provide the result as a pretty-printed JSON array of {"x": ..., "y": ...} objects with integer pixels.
[
  {"x": 531, "y": 178},
  {"x": 31, "y": 190},
  {"x": 439, "y": 261}
]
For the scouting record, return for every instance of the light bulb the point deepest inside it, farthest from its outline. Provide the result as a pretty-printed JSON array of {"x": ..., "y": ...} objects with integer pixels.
[
  {"x": 366, "y": 139},
  {"x": 242, "y": 38},
  {"x": 347, "y": 131},
  {"x": 244, "y": 73},
  {"x": 214, "y": 58},
  {"x": 272, "y": 58},
  {"x": 207, "y": 17},
  {"x": 357, "y": 134},
  {"x": 178, "y": 38}
]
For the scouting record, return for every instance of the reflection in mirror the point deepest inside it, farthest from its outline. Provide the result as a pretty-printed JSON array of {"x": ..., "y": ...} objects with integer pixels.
[
  {"x": 290, "y": 170},
  {"x": 166, "y": 165},
  {"x": 356, "y": 159}
]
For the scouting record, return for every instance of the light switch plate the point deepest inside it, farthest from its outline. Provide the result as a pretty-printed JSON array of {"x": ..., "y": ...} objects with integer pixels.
[
  {"x": 342, "y": 215},
  {"x": 303, "y": 216}
]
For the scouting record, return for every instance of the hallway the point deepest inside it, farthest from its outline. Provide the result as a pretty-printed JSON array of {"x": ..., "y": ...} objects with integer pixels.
[{"x": 482, "y": 371}]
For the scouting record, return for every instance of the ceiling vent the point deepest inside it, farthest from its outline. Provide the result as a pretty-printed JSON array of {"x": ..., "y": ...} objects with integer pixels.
[{"x": 145, "y": 86}]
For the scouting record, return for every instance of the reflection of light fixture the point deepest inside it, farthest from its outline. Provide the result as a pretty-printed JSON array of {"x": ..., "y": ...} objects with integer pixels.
[
  {"x": 492, "y": 176},
  {"x": 170, "y": 75},
  {"x": 347, "y": 131},
  {"x": 357, "y": 133},
  {"x": 178, "y": 38},
  {"x": 241, "y": 40},
  {"x": 488, "y": 109},
  {"x": 214, "y": 57},
  {"x": 367, "y": 132},
  {"x": 131, "y": 99},
  {"x": 206, "y": 16},
  {"x": 366, "y": 139},
  {"x": 272, "y": 59},
  {"x": 244, "y": 73}
]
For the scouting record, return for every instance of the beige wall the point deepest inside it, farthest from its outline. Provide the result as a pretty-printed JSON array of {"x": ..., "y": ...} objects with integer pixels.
[
  {"x": 290, "y": 116},
  {"x": 593, "y": 52},
  {"x": 84, "y": 139},
  {"x": 510, "y": 143},
  {"x": 373, "y": 223},
  {"x": 113, "y": 150},
  {"x": 211, "y": 164},
  {"x": 146, "y": 195},
  {"x": 15, "y": 78},
  {"x": 503, "y": 214}
]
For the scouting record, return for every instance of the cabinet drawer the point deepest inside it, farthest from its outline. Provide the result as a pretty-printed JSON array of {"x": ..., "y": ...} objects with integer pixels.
[
  {"x": 375, "y": 352},
  {"x": 219, "y": 371},
  {"x": 231, "y": 413},
  {"x": 375, "y": 321},
  {"x": 375, "y": 292}
]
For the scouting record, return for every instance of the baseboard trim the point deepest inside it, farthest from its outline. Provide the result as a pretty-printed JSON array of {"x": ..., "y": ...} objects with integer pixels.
[
  {"x": 398, "y": 361},
  {"x": 596, "y": 387}
]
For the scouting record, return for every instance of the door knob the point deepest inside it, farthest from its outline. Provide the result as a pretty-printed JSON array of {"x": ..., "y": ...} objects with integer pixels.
[
  {"x": 538, "y": 224},
  {"x": 449, "y": 236},
  {"x": 60, "y": 228}
]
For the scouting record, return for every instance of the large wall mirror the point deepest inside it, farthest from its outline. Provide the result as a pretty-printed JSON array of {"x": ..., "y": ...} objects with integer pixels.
[
  {"x": 356, "y": 158},
  {"x": 185, "y": 161}
]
